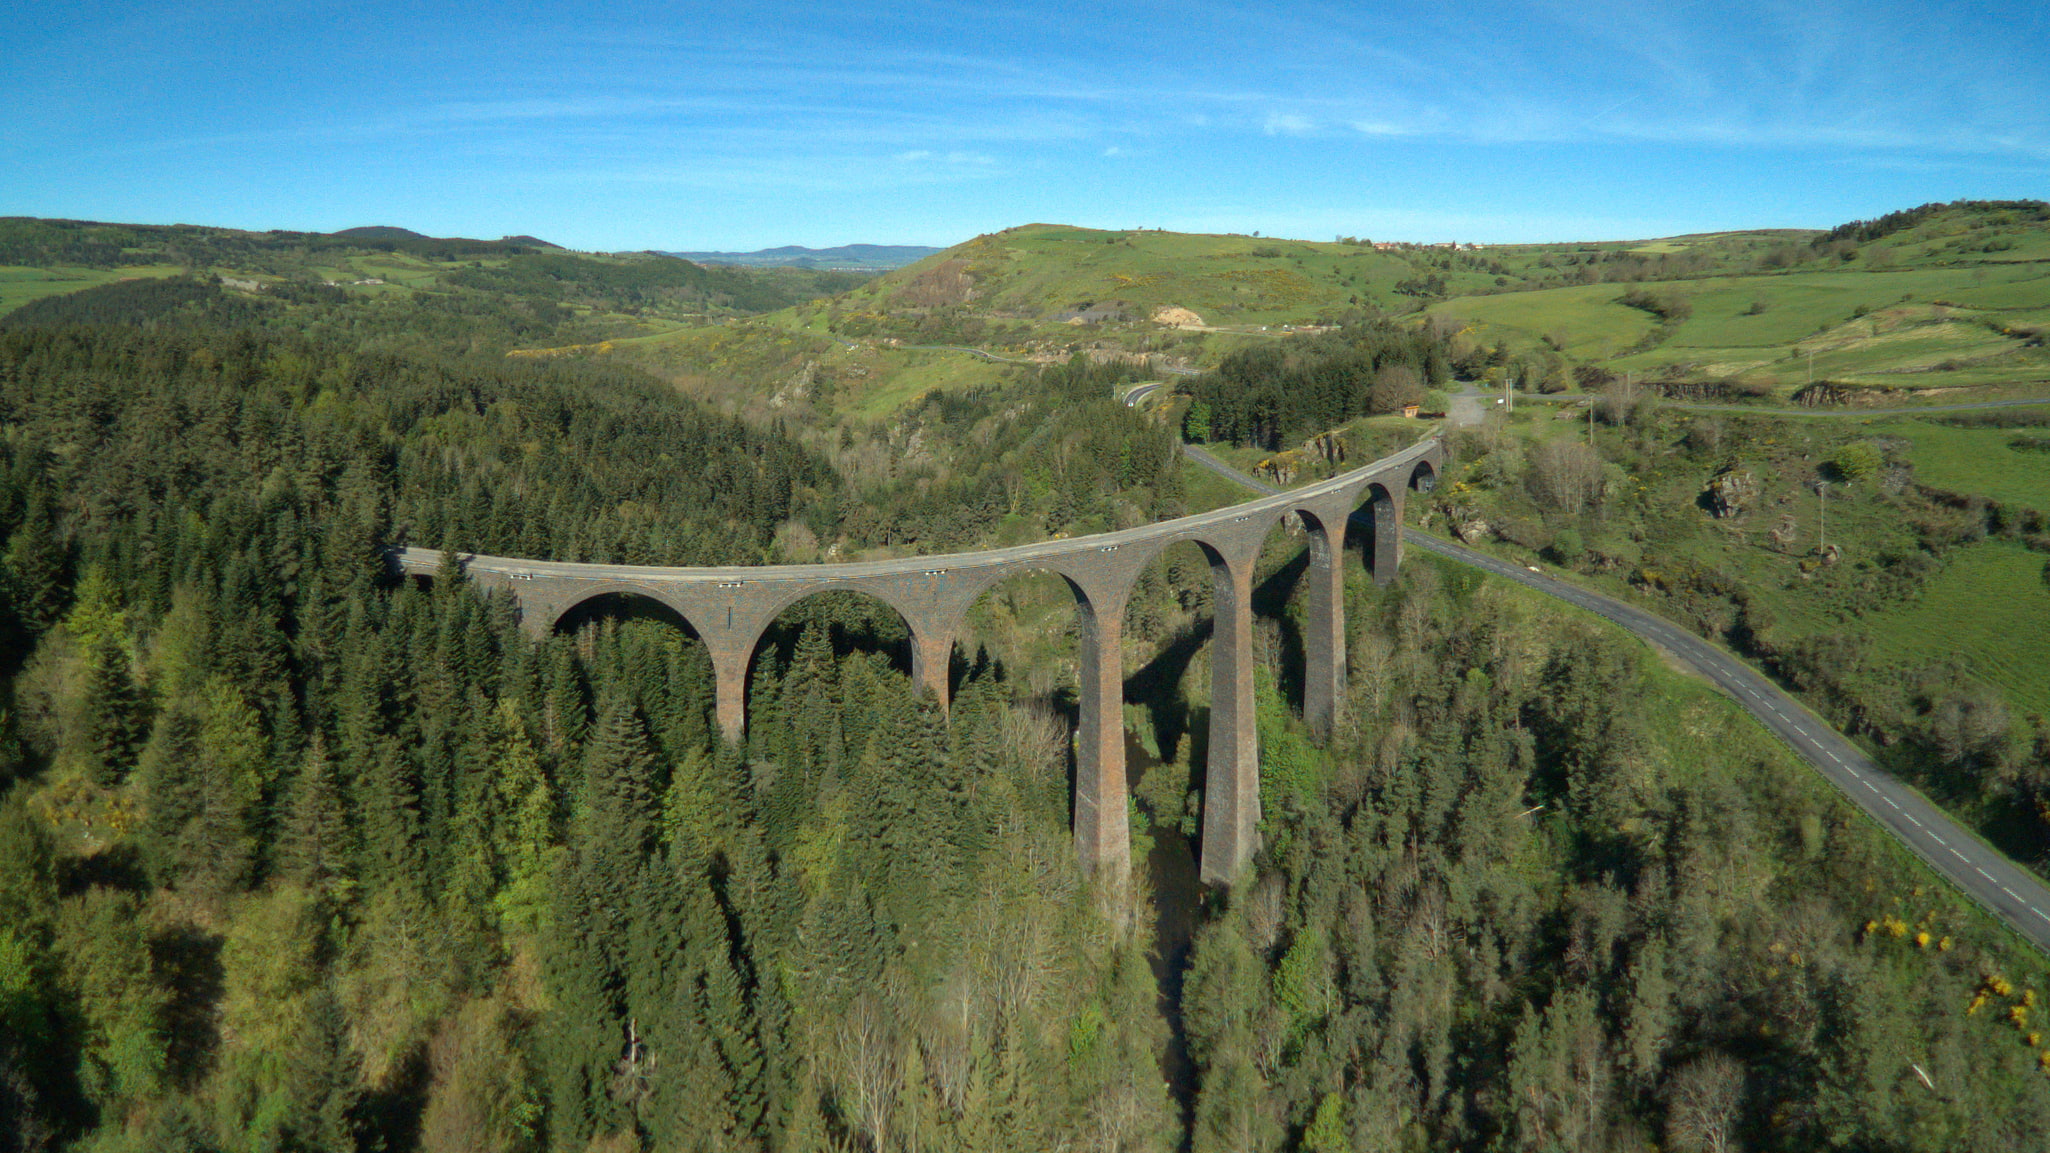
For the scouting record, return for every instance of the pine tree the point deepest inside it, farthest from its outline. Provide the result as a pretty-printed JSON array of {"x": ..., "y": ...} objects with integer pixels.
[
  {"x": 320, "y": 1079},
  {"x": 388, "y": 804},
  {"x": 316, "y": 846},
  {"x": 35, "y": 566},
  {"x": 583, "y": 1035},
  {"x": 110, "y": 719},
  {"x": 613, "y": 823}
]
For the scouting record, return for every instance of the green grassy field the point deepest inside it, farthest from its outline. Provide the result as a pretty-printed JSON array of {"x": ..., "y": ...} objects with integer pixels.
[
  {"x": 1990, "y": 611},
  {"x": 1585, "y": 319},
  {"x": 1980, "y": 461},
  {"x": 912, "y": 374},
  {"x": 20, "y": 285}
]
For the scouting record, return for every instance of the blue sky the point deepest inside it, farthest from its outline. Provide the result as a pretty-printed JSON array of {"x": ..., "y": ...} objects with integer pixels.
[{"x": 737, "y": 126}]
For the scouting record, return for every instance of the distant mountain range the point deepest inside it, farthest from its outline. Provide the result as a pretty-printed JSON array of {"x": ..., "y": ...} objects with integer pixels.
[{"x": 865, "y": 256}]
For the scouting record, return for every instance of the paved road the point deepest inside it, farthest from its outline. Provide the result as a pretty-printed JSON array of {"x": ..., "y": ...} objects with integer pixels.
[
  {"x": 1743, "y": 409},
  {"x": 2010, "y": 892},
  {"x": 1395, "y": 466},
  {"x": 1138, "y": 394},
  {"x": 1890, "y": 411},
  {"x": 1467, "y": 406}
]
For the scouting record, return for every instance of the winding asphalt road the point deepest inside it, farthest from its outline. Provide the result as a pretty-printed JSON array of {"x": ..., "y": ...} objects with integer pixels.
[
  {"x": 2008, "y": 891},
  {"x": 1748, "y": 410}
]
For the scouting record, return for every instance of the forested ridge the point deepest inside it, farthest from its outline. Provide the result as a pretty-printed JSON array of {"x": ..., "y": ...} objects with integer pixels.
[
  {"x": 298, "y": 855},
  {"x": 1268, "y": 396},
  {"x": 404, "y": 271}
]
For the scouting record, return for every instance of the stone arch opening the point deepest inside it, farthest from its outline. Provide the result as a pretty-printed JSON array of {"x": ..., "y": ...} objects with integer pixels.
[
  {"x": 842, "y": 623},
  {"x": 1374, "y": 530},
  {"x": 1168, "y": 619},
  {"x": 1020, "y": 629},
  {"x": 619, "y": 605},
  {"x": 647, "y": 646},
  {"x": 1424, "y": 477},
  {"x": 826, "y": 682},
  {"x": 1062, "y": 666}
]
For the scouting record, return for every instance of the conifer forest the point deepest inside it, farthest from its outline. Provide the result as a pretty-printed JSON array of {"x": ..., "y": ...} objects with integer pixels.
[{"x": 296, "y": 854}]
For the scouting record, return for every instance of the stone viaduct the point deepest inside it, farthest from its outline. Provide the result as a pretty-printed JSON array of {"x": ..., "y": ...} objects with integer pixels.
[{"x": 730, "y": 609}]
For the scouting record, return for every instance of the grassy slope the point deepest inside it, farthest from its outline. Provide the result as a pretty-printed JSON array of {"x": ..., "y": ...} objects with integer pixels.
[
  {"x": 1929, "y": 307},
  {"x": 1989, "y": 610},
  {"x": 1980, "y": 615},
  {"x": 1954, "y": 302},
  {"x": 19, "y": 285}
]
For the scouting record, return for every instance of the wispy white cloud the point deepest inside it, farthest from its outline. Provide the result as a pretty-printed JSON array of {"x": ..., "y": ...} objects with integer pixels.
[{"x": 1288, "y": 124}]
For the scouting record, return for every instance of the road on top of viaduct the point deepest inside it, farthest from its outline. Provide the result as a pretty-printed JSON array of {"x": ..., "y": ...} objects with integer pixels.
[{"x": 2012, "y": 893}]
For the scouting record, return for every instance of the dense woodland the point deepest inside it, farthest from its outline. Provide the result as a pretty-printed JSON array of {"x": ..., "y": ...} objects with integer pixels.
[
  {"x": 298, "y": 855},
  {"x": 1050, "y": 452},
  {"x": 1518, "y": 904},
  {"x": 1270, "y": 396}
]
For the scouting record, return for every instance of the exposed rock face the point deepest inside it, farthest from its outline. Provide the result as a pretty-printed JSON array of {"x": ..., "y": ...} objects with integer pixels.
[
  {"x": 1732, "y": 493},
  {"x": 1472, "y": 531},
  {"x": 1281, "y": 468},
  {"x": 1325, "y": 447},
  {"x": 1695, "y": 391},
  {"x": 947, "y": 282},
  {"x": 799, "y": 387},
  {"x": 1176, "y": 317}
]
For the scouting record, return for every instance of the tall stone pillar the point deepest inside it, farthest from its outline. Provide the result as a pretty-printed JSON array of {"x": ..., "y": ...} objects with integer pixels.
[
  {"x": 1387, "y": 535},
  {"x": 1102, "y": 828},
  {"x": 1231, "y": 780},
  {"x": 931, "y": 655},
  {"x": 729, "y": 671},
  {"x": 535, "y": 621},
  {"x": 1323, "y": 630}
]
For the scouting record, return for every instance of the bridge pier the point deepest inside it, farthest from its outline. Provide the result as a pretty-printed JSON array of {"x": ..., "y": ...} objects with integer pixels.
[
  {"x": 1387, "y": 546},
  {"x": 1102, "y": 821},
  {"x": 932, "y": 654},
  {"x": 1323, "y": 631},
  {"x": 729, "y": 673},
  {"x": 1231, "y": 778}
]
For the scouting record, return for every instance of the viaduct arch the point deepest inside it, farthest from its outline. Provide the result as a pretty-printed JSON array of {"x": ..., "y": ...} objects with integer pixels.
[{"x": 730, "y": 609}]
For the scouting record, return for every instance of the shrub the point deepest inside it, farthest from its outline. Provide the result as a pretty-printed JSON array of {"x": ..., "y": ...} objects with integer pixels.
[
  {"x": 1567, "y": 547},
  {"x": 1856, "y": 460}
]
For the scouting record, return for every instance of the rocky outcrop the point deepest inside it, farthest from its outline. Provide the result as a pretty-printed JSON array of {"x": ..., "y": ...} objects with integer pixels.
[{"x": 1731, "y": 493}]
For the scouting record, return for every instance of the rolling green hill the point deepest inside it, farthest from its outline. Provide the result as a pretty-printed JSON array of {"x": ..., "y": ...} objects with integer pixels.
[
  {"x": 1925, "y": 301},
  {"x": 619, "y": 295},
  {"x": 1920, "y": 303}
]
